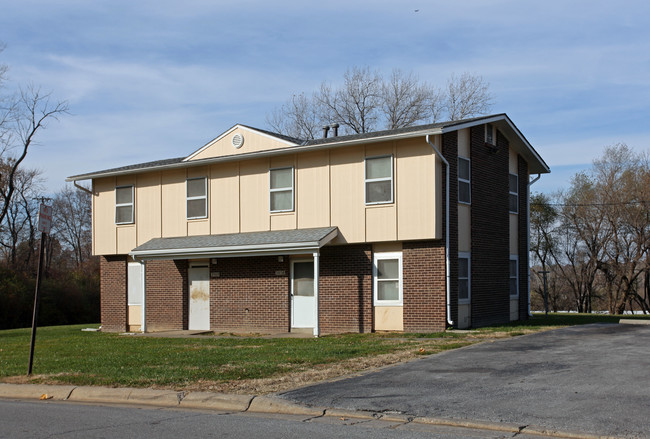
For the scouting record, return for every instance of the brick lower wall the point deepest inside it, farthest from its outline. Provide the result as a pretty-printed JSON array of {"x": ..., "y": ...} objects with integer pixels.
[
  {"x": 166, "y": 296},
  {"x": 423, "y": 266},
  {"x": 250, "y": 294},
  {"x": 490, "y": 230},
  {"x": 113, "y": 285},
  {"x": 345, "y": 289}
]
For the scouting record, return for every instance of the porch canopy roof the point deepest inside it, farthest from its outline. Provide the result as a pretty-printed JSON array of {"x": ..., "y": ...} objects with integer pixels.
[{"x": 279, "y": 242}]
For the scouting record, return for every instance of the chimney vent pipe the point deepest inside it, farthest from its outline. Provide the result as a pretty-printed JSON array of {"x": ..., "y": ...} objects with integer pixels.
[
  {"x": 335, "y": 127},
  {"x": 326, "y": 128}
]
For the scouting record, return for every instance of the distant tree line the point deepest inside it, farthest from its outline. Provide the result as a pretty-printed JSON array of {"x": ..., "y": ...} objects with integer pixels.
[
  {"x": 70, "y": 289},
  {"x": 594, "y": 238}
]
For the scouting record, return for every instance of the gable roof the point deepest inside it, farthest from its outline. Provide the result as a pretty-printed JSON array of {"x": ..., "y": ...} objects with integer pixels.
[{"x": 517, "y": 140}]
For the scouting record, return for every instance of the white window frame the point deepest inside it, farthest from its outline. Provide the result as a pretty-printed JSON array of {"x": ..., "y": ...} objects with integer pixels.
[
  {"x": 515, "y": 194},
  {"x": 468, "y": 256},
  {"x": 489, "y": 134},
  {"x": 375, "y": 281},
  {"x": 201, "y": 197},
  {"x": 373, "y": 180},
  {"x": 283, "y": 189},
  {"x": 463, "y": 180},
  {"x": 134, "y": 284},
  {"x": 516, "y": 276},
  {"x": 131, "y": 204}
]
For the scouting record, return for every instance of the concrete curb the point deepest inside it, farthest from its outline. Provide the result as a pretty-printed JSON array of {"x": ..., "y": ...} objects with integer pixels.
[
  {"x": 269, "y": 404},
  {"x": 248, "y": 403},
  {"x": 217, "y": 401},
  {"x": 634, "y": 322},
  {"x": 35, "y": 391}
]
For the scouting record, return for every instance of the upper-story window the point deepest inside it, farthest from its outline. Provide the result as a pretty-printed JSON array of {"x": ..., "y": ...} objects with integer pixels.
[
  {"x": 281, "y": 190},
  {"x": 124, "y": 196},
  {"x": 489, "y": 134},
  {"x": 379, "y": 179},
  {"x": 197, "y": 197},
  {"x": 513, "y": 200},
  {"x": 464, "y": 192},
  {"x": 514, "y": 276},
  {"x": 464, "y": 278}
]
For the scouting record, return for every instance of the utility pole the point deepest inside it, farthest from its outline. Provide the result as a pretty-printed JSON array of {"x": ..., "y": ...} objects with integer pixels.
[
  {"x": 44, "y": 225},
  {"x": 544, "y": 273}
]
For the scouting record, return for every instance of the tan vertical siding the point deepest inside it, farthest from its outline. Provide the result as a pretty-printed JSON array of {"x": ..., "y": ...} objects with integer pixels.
[
  {"x": 254, "y": 191},
  {"x": 148, "y": 207},
  {"x": 224, "y": 198},
  {"x": 104, "y": 216},
  {"x": 173, "y": 203},
  {"x": 313, "y": 190},
  {"x": 347, "y": 192},
  {"x": 416, "y": 195}
]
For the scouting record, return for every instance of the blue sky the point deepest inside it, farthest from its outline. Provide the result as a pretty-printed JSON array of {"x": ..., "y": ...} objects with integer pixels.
[{"x": 147, "y": 80}]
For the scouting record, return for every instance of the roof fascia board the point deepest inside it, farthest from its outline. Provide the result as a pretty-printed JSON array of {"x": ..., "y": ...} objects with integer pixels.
[
  {"x": 241, "y": 251},
  {"x": 242, "y": 127},
  {"x": 236, "y": 251},
  {"x": 512, "y": 126}
]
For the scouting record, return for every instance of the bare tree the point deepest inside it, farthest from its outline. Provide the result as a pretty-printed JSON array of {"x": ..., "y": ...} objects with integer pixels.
[
  {"x": 406, "y": 101},
  {"x": 366, "y": 102},
  {"x": 72, "y": 219},
  {"x": 299, "y": 117},
  {"x": 356, "y": 104},
  {"x": 19, "y": 227},
  {"x": 467, "y": 96},
  {"x": 21, "y": 121}
]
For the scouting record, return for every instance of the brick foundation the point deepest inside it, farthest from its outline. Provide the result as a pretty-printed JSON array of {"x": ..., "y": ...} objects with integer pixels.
[
  {"x": 166, "y": 296},
  {"x": 113, "y": 276},
  {"x": 424, "y": 286},
  {"x": 250, "y": 294},
  {"x": 345, "y": 289}
]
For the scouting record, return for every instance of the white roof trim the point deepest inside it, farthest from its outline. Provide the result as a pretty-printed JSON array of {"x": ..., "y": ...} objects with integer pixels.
[{"x": 242, "y": 127}]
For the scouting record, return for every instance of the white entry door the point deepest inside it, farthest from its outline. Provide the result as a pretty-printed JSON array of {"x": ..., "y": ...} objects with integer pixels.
[
  {"x": 199, "y": 307},
  {"x": 303, "y": 303}
]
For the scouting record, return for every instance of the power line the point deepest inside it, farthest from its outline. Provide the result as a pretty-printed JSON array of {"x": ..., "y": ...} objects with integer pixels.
[{"x": 620, "y": 203}]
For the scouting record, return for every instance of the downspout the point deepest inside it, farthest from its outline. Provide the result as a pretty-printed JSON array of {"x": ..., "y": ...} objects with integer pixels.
[
  {"x": 530, "y": 183},
  {"x": 450, "y": 322},
  {"x": 78, "y": 186},
  {"x": 316, "y": 312}
]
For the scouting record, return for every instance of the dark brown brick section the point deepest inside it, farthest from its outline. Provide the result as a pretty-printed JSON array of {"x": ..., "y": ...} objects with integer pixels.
[
  {"x": 522, "y": 171},
  {"x": 166, "y": 296},
  {"x": 113, "y": 284},
  {"x": 423, "y": 266},
  {"x": 345, "y": 289},
  {"x": 250, "y": 294},
  {"x": 490, "y": 230},
  {"x": 450, "y": 151}
]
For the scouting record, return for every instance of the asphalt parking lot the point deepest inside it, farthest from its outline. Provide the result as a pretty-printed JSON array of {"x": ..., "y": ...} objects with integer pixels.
[{"x": 593, "y": 379}]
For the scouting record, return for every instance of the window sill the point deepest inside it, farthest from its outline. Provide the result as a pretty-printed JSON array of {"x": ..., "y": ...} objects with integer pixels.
[
  {"x": 386, "y": 303},
  {"x": 282, "y": 212},
  {"x": 382, "y": 204},
  {"x": 197, "y": 220}
]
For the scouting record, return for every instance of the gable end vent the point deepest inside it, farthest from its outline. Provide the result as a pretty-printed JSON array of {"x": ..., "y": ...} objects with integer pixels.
[{"x": 237, "y": 141}]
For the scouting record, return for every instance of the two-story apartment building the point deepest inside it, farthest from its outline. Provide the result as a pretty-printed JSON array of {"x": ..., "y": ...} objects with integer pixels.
[{"x": 414, "y": 229}]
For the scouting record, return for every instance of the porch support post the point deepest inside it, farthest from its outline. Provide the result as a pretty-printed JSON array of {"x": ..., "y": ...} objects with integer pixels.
[
  {"x": 316, "y": 270},
  {"x": 143, "y": 324}
]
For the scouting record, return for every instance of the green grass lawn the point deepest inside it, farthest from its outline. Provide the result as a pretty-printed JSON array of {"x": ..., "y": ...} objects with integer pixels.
[{"x": 66, "y": 355}]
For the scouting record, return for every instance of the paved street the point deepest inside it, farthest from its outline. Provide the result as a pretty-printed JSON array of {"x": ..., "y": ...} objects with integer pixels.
[
  {"x": 593, "y": 379},
  {"x": 41, "y": 420}
]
